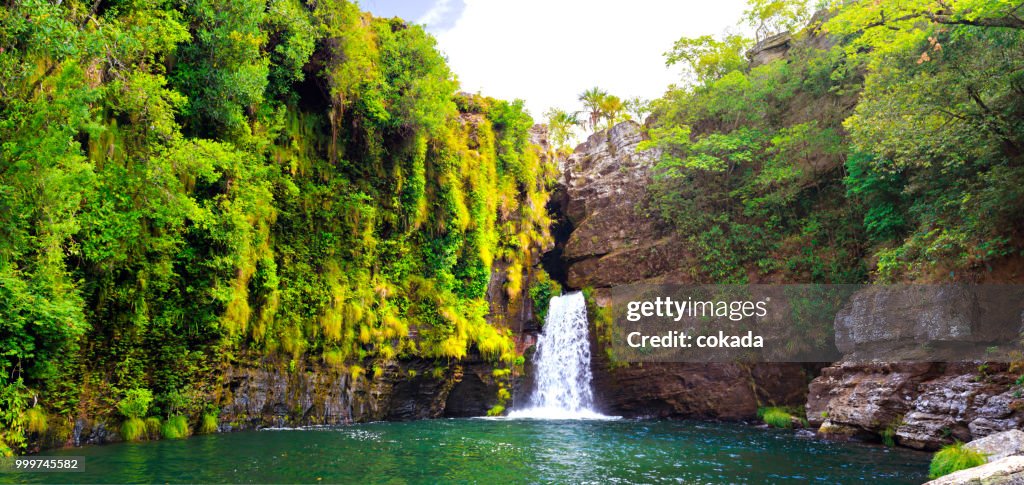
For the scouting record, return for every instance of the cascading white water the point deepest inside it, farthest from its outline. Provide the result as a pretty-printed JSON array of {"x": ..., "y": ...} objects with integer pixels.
[{"x": 562, "y": 384}]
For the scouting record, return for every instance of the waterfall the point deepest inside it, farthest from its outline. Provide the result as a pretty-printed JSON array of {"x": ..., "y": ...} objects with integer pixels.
[{"x": 562, "y": 385}]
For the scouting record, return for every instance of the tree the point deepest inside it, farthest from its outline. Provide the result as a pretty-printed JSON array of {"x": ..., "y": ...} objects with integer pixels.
[
  {"x": 705, "y": 59},
  {"x": 770, "y": 17},
  {"x": 561, "y": 126},
  {"x": 592, "y": 99},
  {"x": 638, "y": 108},
  {"x": 613, "y": 110},
  {"x": 940, "y": 111}
]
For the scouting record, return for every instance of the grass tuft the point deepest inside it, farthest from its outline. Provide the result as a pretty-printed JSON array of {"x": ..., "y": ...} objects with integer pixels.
[
  {"x": 777, "y": 417},
  {"x": 35, "y": 420},
  {"x": 953, "y": 458},
  {"x": 208, "y": 423},
  {"x": 133, "y": 429},
  {"x": 153, "y": 427},
  {"x": 176, "y": 427}
]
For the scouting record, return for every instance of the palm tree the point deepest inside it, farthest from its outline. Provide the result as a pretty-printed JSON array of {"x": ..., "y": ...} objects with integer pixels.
[
  {"x": 612, "y": 109},
  {"x": 560, "y": 126},
  {"x": 592, "y": 99}
]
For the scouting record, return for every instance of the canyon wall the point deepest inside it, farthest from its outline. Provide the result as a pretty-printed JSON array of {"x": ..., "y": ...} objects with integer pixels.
[{"x": 922, "y": 405}]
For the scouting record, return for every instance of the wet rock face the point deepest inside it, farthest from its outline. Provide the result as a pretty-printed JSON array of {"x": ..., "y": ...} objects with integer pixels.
[
  {"x": 267, "y": 394},
  {"x": 474, "y": 393},
  {"x": 921, "y": 405}
]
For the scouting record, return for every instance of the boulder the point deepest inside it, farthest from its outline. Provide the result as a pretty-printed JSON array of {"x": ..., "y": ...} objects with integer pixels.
[
  {"x": 772, "y": 48},
  {"x": 1006, "y": 471},
  {"x": 1000, "y": 445}
]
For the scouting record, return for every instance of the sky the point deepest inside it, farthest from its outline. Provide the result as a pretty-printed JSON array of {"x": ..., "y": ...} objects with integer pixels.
[{"x": 546, "y": 52}]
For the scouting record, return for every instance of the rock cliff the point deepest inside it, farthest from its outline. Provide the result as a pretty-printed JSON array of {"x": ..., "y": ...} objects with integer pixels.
[{"x": 615, "y": 241}]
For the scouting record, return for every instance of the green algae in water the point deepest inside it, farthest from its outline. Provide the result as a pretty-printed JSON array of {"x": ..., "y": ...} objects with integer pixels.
[{"x": 496, "y": 451}]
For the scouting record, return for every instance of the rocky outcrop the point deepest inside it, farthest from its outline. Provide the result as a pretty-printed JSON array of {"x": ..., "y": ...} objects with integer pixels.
[
  {"x": 772, "y": 48},
  {"x": 929, "y": 322},
  {"x": 919, "y": 405},
  {"x": 900, "y": 377},
  {"x": 614, "y": 240},
  {"x": 268, "y": 394}
]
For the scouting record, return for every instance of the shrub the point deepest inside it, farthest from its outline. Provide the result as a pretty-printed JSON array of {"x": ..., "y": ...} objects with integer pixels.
[
  {"x": 176, "y": 427},
  {"x": 135, "y": 403},
  {"x": 208, "y": 423},
  {"x": 133, "y": 429},
  {"x": 497, "y": 410},
  {"x": 35, "y": 420},
  {"x": 952, "y": 458},
  {"x": 776, "y": 417}
]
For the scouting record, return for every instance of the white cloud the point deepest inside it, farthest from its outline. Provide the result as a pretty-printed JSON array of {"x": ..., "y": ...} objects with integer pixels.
[
  {"x": 436, "y": 12},
  {"x": 548, "y": 51}
]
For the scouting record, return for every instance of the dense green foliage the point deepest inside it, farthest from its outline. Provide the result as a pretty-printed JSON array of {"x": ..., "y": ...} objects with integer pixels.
[
  {"x": 749, "y": 177},
  {"x": 182, "y": 184},
  {"x": 953, "y": 458},
  {"x": 135, "y": 403},
  {"x": 886, "y": 145},
  {"x": 541, "y": 293}
]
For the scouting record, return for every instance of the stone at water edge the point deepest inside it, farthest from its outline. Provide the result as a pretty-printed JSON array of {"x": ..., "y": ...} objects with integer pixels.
[
  {"x": 1005, "y": 461},
  {"x": 1007, "y": 471},
  {"x": 1000, "y": 445}
]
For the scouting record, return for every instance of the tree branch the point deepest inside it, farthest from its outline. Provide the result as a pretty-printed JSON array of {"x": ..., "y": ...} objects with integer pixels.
[{"x": 1009, "y": 22}]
